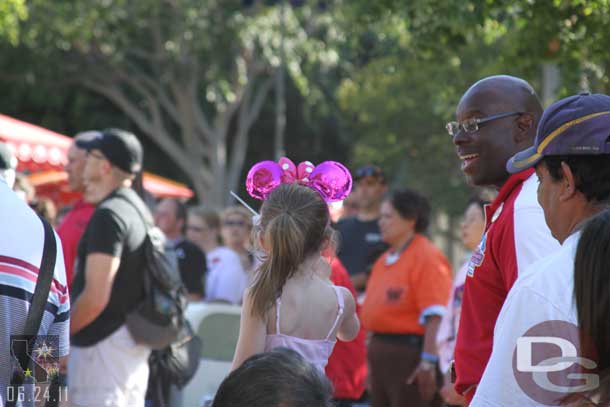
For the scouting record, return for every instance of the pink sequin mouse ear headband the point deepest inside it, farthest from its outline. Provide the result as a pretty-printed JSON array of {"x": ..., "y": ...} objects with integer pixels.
[{"x": 330, "y": 178}]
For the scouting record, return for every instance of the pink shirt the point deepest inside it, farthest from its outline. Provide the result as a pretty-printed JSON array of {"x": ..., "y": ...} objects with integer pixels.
[{"x": 315, "y": 351}]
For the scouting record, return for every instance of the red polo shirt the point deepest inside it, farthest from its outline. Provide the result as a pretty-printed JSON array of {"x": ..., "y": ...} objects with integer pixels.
[
  {"x": 70, "y": 231},
  {"x": 515, "y": 236}
]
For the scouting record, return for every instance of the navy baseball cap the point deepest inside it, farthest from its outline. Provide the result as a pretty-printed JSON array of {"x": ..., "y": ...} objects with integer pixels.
[
  {"x": 121, "y": 148},
  {"x": 576, "y": 125}
]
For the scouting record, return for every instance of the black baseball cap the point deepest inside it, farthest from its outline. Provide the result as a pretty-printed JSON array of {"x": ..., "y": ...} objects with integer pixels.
[
  {"x": 121, "y": 148},
  {"x": 369, "y": 171}
]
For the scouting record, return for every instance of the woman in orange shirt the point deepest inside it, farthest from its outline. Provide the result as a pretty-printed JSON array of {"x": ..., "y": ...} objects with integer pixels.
[{"x": 405, "y": 299}]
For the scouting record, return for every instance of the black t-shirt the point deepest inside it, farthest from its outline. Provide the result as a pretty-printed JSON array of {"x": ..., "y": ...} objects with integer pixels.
[
  {"x": 116, "y": 229},
  {"x": 360, "y": 244},
  {"x": 192, "y": 266}
]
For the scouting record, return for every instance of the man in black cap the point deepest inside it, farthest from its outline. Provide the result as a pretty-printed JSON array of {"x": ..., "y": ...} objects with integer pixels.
[
  {"x": 360, "y": 240},
  {"x": 106, "y": 366},
  {"x": 571, "y": 155}
]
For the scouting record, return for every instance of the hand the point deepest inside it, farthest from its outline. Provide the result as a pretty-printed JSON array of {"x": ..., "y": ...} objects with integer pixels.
[
  {"x": 425, "y": 377},
  {"x": 449, "y": 394}
]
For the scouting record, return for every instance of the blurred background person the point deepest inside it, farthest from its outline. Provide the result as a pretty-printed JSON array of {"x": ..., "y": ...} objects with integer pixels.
[
  {"x": 235, "y": 229},
  {"x": 360, "y": 241},
  {"x": 226, "y": 279},
  {"x": 24, "y": 189},
  {"x": 346, "y": 368},
  {"x": 405, "y": 300},
  {"x": 170, "y": 216},
  {"x": 8, "y": 165},
  {"x": 472, "y": 229},
  {"x": 73, "y": 223},
  {"x": 46, "y": 208}
]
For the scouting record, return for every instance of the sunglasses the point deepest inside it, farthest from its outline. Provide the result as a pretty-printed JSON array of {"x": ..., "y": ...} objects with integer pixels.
[
  {"x": 472, "y": 125},
  {"x": 371, "y": 171},
  {"x": 197, "y": 229},
  {"x": 237, "y": 223}
]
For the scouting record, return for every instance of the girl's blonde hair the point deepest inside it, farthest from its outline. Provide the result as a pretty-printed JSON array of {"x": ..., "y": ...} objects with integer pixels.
[{"x": 293, "y": 224}]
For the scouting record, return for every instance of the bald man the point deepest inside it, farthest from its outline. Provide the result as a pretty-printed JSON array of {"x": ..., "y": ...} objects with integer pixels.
[
  {"x": 496, "y": 118},
  {"x": 74, "y": 222}
]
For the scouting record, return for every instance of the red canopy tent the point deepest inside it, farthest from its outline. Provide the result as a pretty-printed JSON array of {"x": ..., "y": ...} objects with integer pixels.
[
  {"x": 36, "y": 148},
  {"x": 43, "y": 153}
]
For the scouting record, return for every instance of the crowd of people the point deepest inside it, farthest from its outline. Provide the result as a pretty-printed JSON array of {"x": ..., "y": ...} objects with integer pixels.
[{"x": 354, "y": 304}]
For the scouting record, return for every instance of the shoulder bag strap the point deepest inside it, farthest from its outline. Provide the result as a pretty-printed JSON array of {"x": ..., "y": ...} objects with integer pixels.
[{"x": 39, "y": 300}]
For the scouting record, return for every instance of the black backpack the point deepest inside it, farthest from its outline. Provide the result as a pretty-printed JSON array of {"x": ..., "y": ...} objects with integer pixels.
[{"x": 158, "y": 320}]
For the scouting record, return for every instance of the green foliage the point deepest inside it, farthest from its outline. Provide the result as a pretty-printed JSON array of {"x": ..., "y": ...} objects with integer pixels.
[{"x": 12, "y": 12}]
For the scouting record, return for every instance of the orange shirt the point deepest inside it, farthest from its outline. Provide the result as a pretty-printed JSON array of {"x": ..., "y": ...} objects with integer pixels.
[{"x": 398, "y": 295}]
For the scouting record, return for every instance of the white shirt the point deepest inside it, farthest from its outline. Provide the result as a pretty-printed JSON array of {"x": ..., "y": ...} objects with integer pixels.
[
  {"x": 545, "y": 292},
  {"x": 226, "y": 279},
  {"x": 21, "y": 247}
]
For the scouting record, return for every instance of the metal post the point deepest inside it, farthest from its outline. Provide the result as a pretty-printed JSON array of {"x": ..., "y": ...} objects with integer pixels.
[{"x": 280, "y": 88}]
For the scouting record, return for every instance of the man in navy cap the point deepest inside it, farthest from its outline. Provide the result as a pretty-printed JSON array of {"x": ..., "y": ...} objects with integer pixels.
[
  {"x": 106, "y": 367},
  {"x": 535, "y": 346}
]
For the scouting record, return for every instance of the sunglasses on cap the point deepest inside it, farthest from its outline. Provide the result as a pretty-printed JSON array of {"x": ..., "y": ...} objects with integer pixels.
[{"x": 369, "y": 171}]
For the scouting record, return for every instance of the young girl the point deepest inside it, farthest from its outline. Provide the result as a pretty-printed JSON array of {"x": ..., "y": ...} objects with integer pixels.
[{"x": 291, "y": 303}]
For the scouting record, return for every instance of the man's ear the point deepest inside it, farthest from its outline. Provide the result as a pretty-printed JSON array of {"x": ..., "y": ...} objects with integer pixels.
[
  {"x": 568, "y": 182},
  {"x": 525, "y": 124}
]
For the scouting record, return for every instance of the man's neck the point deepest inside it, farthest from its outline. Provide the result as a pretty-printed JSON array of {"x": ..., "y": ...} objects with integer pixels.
[
  {"x": 367, "y": 216},
  {"x": 209, "y": 246},
  {"x": 576, "y": 222},
  {"x": 173, "y": 236}
]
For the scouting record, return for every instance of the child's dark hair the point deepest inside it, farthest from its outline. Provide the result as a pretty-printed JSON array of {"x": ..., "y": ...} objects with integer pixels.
[
  {"x": 293, "y": 225},
  {"x": 592, "y": 289},
  {"x": 278, "y": 378}
]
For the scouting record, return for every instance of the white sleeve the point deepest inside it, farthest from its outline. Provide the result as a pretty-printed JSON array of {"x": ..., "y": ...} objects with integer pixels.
[
  {"x": 533, "y": 239},
  {"x": 230, "y": 279},
  {"x": 523, "y": 309}
]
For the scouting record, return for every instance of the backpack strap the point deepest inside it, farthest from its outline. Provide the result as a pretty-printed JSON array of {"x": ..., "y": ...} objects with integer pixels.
[
  {"x": 39, "y": 300},
  {"x": 139, "y": 209}
]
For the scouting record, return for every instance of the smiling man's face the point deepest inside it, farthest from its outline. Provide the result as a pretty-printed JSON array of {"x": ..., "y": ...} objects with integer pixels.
[{"x": 484, "y": 152}]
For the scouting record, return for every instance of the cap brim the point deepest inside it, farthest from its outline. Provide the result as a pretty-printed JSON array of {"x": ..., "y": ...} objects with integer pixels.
[
  {"x": 88, "y": 144},
  {"x": 523, "y": 160}
]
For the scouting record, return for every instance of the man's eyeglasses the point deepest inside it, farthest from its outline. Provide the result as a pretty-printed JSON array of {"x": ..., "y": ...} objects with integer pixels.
[{"x": 472, "y": 125}]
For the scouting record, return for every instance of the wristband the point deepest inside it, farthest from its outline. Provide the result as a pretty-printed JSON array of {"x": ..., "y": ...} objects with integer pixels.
[{"x": 428, "y": 357}]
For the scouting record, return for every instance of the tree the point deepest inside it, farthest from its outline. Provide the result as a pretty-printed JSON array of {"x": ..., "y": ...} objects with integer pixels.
[{"x": 11, "y": 13}]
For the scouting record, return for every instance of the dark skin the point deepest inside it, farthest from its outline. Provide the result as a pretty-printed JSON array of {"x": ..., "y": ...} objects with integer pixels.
[{"x": 486, "y": 151}]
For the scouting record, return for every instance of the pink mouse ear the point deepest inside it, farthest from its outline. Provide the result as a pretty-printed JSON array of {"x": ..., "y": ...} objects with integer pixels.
[
  {"x": 263, "y": 178},
  {"x": 332, "y": 180},
  {"x": 289, "y": 170}
]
